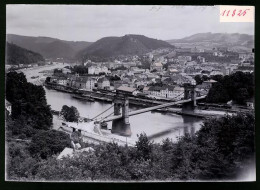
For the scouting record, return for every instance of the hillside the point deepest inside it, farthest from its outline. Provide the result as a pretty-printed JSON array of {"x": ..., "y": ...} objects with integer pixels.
[
  {"x": 125, "y": 45},
  {"x": 16, "y": 55},
  {"x": 232, "y": 40},
  {"x": 48, "y": 47}
]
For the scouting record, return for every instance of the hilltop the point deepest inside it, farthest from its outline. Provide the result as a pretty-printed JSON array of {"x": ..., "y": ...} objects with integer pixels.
[
  {"x": 234, "y": 41},
  {"x": 16, "y": 55},
  {"x": 126, "y": 45},
  {"x": 48, "y": 47}
]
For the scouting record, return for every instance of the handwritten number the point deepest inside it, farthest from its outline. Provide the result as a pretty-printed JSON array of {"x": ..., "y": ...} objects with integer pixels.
[
  {"x": 244, "y": 13},
  {"x": 228, "y": 12},
  {"x": 240, "y": 13},
  {"x": 234, "y": 13},
  {"x": 223, "y": 14}
]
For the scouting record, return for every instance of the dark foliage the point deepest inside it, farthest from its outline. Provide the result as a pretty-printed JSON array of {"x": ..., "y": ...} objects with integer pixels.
[
  {"x": 70, "y": 114},
  {"x": 218, "y": 94},
  {"x": 16, "y": 55},
  {"x": 198, "y": 79},
  {"x": 47, "y": 143},
  {"x": 80, "y": 69},
  {"x": 238, "y": 87},
  {"x": 56, "y": 71},
  {"x": 29, "y": 105},
  {"x": 220, "y": 150}
]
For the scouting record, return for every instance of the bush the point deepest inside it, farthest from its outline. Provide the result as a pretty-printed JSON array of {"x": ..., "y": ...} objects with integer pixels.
[
  {"x": 70, "y": 114},
  {"x": 218, "y": 151},
  {"x": 47, "y": 143}
]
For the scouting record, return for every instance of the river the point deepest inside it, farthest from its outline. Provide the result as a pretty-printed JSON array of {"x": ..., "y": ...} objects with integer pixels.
[{"x": 157, "y": 126}]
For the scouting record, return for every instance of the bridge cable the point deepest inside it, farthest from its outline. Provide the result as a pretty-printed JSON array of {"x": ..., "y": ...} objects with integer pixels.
[
  {"x": 177, "y": 95},
  {"x": 102, "y": 112},
  {"x": 107, "y": 116}
]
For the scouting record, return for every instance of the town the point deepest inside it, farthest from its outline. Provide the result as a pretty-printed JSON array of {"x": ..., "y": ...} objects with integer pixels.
[
  {"x": 160, "y": 74},
  {"x": 128, "y": 97}
]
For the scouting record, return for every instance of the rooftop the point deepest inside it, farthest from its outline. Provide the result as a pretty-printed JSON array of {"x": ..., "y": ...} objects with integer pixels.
[
  {"x": 103, "y": 79},
  {"x": 126, "y": 89},
  {"x": 157, "y": 64},
  {"x": 210, "y": 81}
]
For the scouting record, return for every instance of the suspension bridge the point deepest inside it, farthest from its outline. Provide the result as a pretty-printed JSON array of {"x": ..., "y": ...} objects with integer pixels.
[{"x": 120, "y": 121}]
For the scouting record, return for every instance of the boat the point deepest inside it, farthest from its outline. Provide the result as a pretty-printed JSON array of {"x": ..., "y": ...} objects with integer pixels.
[{"x": 34, "y": 77}]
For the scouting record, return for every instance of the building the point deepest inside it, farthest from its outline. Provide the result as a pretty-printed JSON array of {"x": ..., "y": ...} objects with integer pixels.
[
  {"x": 91, "y": 70},
  {"x": 59, "y": 80},
  {"x": 86, "y": 83},
  {"x": 208, "y": 84},
  {"x": 66, "y": 71},
  {"x": 244, "y": 69},
  {"x": 218, "y": 54},
  {"x": 184, "y": 58},
  {"x": 126, "y": 90},
  {"x": 183, "y": 50},
  {"x": 167, "y": 92},
  {"x": 156, "y": 66},
  {"x": 95, "y": 70},
  {"x": 181, "y": 80},
  {"x": 196, "y": 50},
  {"x": 172, "y": 69},
  {"x": 87, "y": 62},
  {"x": 103, "y": 83},
  {"x": 201, "y": 59}
]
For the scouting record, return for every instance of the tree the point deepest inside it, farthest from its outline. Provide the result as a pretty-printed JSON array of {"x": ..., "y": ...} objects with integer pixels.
[
  {"x": 80, "y": 69},
  {"x": 70, "y": 114},
  {"x": 226, "y": 143},
  {"x": 241, "y": 96},
  {"x": 238, "y": 86},
  {"x": 28, "y": 101},
  {"x": 48, "y": 79},
  {"x": 47, "y": 143},
  {"x": 198, "y": 79},
  {"x": 205, "y": 78},
  {"x": 218, "y": 78},
  {"x": 144, "y": 147},
  {"x": 217, "y": 94},
  {"x": 57, "y": 71}
]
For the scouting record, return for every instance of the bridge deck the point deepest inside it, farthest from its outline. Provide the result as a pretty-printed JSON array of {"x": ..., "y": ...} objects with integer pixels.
[{"x": 136, "y": 112}]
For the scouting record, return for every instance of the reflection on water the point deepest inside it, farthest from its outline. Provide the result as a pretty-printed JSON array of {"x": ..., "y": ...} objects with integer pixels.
[{"x": 156, "y": 125}]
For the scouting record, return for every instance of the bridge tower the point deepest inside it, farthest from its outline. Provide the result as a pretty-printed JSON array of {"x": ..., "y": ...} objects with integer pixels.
[
  {"x": 121, "y": 126},
  {"x": 189, "y": 92}
]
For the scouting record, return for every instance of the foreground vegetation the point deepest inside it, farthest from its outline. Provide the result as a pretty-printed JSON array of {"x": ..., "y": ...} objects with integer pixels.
[{"x": 220, "y": 149}]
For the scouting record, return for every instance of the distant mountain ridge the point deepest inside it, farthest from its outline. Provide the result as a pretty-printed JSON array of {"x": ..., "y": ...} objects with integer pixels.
[
  {"x": 16, "y": 55},
  {"x": 48, "y": 47},
  {"x": 225, "y": 39},
  {"x": 130, "y": 44}
]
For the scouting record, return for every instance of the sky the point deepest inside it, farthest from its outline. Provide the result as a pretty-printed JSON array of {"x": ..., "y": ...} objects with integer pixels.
[{"x": 92, "y": 22}]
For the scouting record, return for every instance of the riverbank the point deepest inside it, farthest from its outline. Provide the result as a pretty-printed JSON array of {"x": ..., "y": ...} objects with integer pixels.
[
  {"x": 88, "y": 132},
  {"x": 142, "y": 102}
]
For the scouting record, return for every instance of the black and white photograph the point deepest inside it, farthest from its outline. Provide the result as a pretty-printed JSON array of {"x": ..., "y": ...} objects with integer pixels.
[{"x": 129, "y": 93}]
